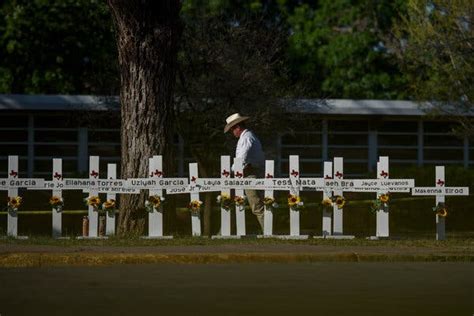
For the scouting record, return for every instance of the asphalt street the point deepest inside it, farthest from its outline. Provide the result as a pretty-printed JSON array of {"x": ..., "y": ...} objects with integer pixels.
[{"x": 361, "y": 288}]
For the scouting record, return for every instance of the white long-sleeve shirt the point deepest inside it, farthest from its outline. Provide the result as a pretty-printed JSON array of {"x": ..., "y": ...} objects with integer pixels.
[{"x": 250, "y": 150}]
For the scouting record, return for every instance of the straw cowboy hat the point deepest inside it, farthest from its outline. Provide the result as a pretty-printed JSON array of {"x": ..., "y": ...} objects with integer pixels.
[{"x": 234, "y": 119}]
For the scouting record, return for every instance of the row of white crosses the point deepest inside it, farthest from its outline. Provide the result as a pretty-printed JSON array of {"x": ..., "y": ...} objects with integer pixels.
[{"x": 333, "y": 183}]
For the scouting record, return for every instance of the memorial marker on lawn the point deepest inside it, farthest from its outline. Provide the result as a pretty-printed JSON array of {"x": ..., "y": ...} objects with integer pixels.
[
  {"x": 327, "y": 224},
  {"x": 440, "y": 191},
  {"x": 111, "y": 197},
  {"x": 339, "y": 185},
  {"x": 225, "y": 211},
  {"x": 382, "y": 185},
  {"x": 382, "y": 215},
  {"x": 57, "y": 193},
  {"x": 195, "y": 216},
  {"x": 93, "y": 191},
  {"x": 239, "y": 194},
  {"x": 268, "y": 194},
  {"x": 224, "y": 201},
  {"x": 294, "y": 174},
  {"x": 338, "y": 211},
  {"x": 155, "y": 216},
  {"x": 332, "y": 185},
  {"x": 11, "y": 185}
]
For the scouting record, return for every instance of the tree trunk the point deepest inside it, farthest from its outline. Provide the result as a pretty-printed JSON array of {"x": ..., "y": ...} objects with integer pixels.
[{"x": 147, "y": 35}]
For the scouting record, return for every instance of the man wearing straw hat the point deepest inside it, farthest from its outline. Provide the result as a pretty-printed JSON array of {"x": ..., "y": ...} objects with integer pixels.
[{"x": 250, "y": 150}]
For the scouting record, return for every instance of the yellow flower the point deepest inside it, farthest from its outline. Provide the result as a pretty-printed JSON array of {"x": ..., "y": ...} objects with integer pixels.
[
  {"x": 55, "y": 200},
  {"x": 93, "y": 201},
  {"x": 225, "y": 197},
  {"x": 340, "y": 201},
  {"x": 384, "y": 198},
  {"x": 225, "y": 200},
  {"x": 195, "y": 205},
  {"x": 327, "y": 202},
  {"x": 442, "y": 212},
  {"x": 268, "y": 200},
  {"x": 155, "y": 200},
  {"x": 14, "y": 202},
  {"x": 293, "y": 200},
  {"x": 239, "y": 200},
  {"x": 109, "y": 204}
]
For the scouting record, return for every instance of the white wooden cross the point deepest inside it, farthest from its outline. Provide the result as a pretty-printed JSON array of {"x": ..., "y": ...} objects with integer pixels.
[
  {"x": 268, "y": 213},
  {"x": 338, "y": 212},
  {"x": 225, "y": 231},
  {"x": 239, "y": 209},
  {"x": 55, "y": 185},
  {"x": 111, "y": 186},
  {"x": 57, "y": 191},
  {"x": 294, "y": 212},
  {"x": 326, "y": 227},
  {"x": 440, "y": 191},
  {"x": 197, "y": 185},
  {"x": 337, "y": 228},
  {"x": 12, "y": 184},
  {"x": 110, "y": 216},
  {"x": 90, "y": 185},
  {"x": 225, "y": 212},
  {"x": 93, "y": 214},
  {"x": 93, "y": 187},
  {"x": 339, "y": 185},
  {"x": 195, "y": 216},
  {"x": 382, "y": 185},
  {"x": 382, "y": 216},
  {"x": 155, "y": 218},
  {"x": 293, "y": 185}
]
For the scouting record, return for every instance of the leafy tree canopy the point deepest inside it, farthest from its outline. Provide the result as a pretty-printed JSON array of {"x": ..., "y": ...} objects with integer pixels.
[
  {"x": 57, "y": 46},
  {"x": 435, "y": 47},
  {"x": 339, "y": 48}
]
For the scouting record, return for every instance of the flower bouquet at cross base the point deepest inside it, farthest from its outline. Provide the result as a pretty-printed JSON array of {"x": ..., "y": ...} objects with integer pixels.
[
  {"x": 195, "y": 206},
  {"x": 441, "y": 209},
  {"x": 93, "y": 201},
  {"x": 13, "y": 203},
  {"x": 109, "y": 206},
  {"x": 295, "y": 202},
  {"x": 381, "y": 203},
  {"x": 56, "y": 203},
  {"x": 153, "y": 203},
  {"x": 224, "y": 200},
  {"x": 270, "y": 203}
]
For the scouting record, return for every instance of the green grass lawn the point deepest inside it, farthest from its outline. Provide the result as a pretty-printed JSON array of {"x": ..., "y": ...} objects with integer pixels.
[{"x": 454, "y": 241}]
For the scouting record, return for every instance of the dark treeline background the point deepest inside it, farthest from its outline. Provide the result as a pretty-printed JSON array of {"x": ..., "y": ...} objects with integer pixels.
[{"x": 327, "y": 48}]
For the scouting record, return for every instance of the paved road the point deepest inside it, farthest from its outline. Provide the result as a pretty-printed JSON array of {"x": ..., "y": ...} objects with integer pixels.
[{"x": 241, "y": 289}]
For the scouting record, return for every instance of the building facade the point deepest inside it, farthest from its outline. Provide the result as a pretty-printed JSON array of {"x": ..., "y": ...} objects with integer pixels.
[{"x": 38, "y": 128}]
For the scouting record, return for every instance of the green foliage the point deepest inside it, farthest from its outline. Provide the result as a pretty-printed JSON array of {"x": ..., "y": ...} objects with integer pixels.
[
  {"x": 331, "y": 48},
  {"x": 59, "y": 46},
  {"x": 435, "y": 47},
  {"x": 339, "y": 49},
  {"x": 226, "y": 66}
]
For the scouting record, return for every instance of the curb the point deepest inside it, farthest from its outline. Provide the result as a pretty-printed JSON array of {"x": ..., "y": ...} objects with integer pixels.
[{"x": 25, "y": 260}]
